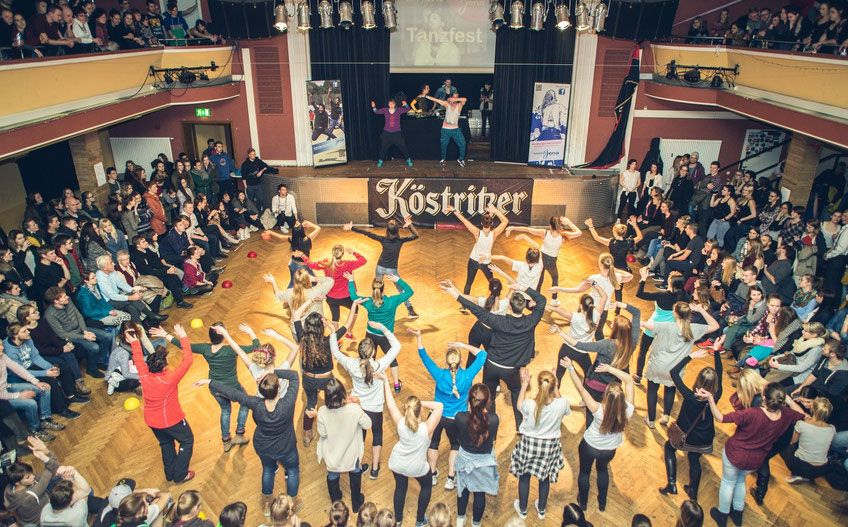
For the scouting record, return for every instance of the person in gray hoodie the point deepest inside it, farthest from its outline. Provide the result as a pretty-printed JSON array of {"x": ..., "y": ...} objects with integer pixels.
[{"x": 26, "y": 494}]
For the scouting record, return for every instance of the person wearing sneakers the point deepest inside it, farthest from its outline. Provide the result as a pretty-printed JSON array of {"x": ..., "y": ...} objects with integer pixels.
[
  {"x": 391, "y": 244},
  {"x": 274, "y": 439},
  {"x": 381, "y": 309},
  {"x": 409, "y": 455},
  {"x": 476, "y": 464},
  {"x": 223, "y": 367},
  {"x": 484, "y": 240},
  {"x": 368, "y": 389},
  {"x": 162, "y": 411},
  {"x": 450, "y": 127},
  {"x": 539, "y": 450},
  {"x": 154, "y": 500},
  {"x": 19, "y": 348},
  {"x": 284, "y": 208},
  {"x": 392, "y": 136},
  {"x": 452, "y": 385},
  {"x": 30, "y": 398},
  {"x": 552, "y": 241}
]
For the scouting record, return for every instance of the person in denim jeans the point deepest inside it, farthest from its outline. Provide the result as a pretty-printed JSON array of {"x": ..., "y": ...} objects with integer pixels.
[{"x": 32, "y": 398}]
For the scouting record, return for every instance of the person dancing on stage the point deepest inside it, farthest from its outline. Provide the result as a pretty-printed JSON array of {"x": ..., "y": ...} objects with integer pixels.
[
  {"x": 392, "y": 136},
  {"x": 551, "y": 244},
  {"x": 450, "y": 128},
  {"x": 484, "y": 239},
  {"x": 391, "y": 243}
]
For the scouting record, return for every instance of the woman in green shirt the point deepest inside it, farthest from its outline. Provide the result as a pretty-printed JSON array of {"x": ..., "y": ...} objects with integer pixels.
[{"x": 382, "y": 309}]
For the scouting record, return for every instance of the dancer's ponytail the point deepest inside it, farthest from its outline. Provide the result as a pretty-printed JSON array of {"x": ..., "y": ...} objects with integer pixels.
[
  {"x": 367, "y": 350},
  {"x": 452, "y": 359}
]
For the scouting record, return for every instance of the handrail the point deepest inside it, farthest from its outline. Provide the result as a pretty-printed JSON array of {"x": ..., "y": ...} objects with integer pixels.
[
  {"x": 761, "y": 152},
  {"x": 760, "y": 43}
]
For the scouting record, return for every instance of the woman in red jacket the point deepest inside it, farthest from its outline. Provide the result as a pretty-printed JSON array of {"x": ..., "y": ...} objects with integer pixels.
[
  {"x": 162, "y": 411},
  {"x": 151, "y": 197},
  {"x": 335, "y": 267}
]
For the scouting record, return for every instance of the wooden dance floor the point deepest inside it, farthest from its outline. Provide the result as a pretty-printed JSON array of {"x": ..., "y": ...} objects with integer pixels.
[{"x": 109, "y": 443}]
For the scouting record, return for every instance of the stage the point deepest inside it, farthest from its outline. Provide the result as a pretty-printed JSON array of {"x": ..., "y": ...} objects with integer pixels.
[{"x": 337, "y": 194}]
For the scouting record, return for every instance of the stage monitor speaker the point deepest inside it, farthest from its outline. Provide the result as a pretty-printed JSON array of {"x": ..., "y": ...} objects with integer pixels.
[
  {"x": 640, "y": 19},
  {"x": 243, "y": 19}
]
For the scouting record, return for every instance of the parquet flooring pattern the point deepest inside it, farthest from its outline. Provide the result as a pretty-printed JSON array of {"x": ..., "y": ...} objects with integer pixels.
[{"x": 108, "y": 443}]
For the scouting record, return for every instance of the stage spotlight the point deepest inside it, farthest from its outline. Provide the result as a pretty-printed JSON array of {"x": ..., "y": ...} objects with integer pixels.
[
  {"x": 496, "y": 15},
  {"x": 202, "y": 76},
  {"x": 538, "y": 14},
  {"x": 389, "y": 15},
  {"x": 325, "y": 12},
  {"x": 516, "y": 15},
  {"x": 600, "y": 17},
  {"x": 168, "y": 79},
  {"x": 672, "y": 71},
  {"x": 281, "y": 18},
  {"x": 693, "y": 75},
  {"x": 345, "y": 15},
  {"x": 187, "y": 77},
  {"x": 562, "y": 17},
  {"x": 303, "y": 23},
  {"x": 717, "y": 82},
  {"x": 583, "y": 17},
  {"x": 367, "y": 9}
]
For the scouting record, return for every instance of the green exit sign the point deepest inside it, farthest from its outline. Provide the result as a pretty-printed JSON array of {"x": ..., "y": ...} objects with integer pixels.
[{"x": 202, "y": 112}]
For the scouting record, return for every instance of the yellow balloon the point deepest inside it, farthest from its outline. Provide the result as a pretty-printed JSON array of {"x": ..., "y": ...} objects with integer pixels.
[
  {"x": 201, "y": 515},
  {"x": 131, "y": 403},
  {"x": 196, "y": 323}
]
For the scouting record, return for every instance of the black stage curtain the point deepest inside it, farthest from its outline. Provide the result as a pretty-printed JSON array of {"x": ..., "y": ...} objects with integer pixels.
[
  {"x": 522, "y": 58},
  {"x": 359, "y": 58},
  {"x": 611, "y": 154}
]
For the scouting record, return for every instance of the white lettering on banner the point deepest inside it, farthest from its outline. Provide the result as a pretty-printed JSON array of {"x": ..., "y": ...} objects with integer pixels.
[
  {"x": 407, "y": 198},
  {"x": 417, "y": 34}
]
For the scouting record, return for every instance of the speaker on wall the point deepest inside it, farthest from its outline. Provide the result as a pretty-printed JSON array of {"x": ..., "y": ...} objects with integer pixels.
[
  {"x": 640, "y": 19},
  {"x": 243, "y": 19}
]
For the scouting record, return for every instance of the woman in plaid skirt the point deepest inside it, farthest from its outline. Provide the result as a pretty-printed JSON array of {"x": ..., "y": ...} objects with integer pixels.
[{"x": 539, "y": 451}]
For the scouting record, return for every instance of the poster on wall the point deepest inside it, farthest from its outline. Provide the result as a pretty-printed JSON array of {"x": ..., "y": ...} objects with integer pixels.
[
  {"x": 426, "y": 199},
  {"x": 326, "y": 122},
  {"x": 755, "y": 142},
  {"x": 549, "y": 123}
]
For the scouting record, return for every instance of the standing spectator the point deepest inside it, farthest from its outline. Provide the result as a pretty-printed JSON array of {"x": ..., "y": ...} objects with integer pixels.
[
  {"x": 174, "y": 22},
  {"x": 721, "y": 25},
  {"x": 154, "y": 19},
  {"x": 836, "y": 258},
  {"x": 159, "y": 219},
  {"x": 162, "y": 411},
  {"x": 226, "y": 167},
  {"x": 93, "y": 344},
  {"x": 487, "y": 99},
  {"x": 204, "y": 175}
]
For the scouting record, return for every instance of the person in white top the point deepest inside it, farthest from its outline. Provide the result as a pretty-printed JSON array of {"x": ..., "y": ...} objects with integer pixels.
[
  {"x": 529, "y": 272},
  {"x": 628, "y": 190},
  {"x": 80, "y": 32},
  {"x": 484, "y": 239},
  {"x": 366, "y": 387},
  {"x": 582, "y": 326},
  {"x": 605, "y": 434},
  {"x": 551, "y": 244},
  {"x": 539, "y": 451},
  {"x": 262, "y": 361},
  {"x": 306, "y": 289},
  {"x": 806, "y": 456},
  {"x": 284, "y": 207},
  {"x": 409, "y": 455},
  {"x": 450, "y": 127}
]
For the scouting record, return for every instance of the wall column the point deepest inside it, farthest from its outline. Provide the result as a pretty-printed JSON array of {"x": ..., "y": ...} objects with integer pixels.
[
  {"x": 300, "y": 72},
  {"x": 802, "y": 161},
  {"x": 87, "y": 151},
  {"x": 582, "y": 81}
]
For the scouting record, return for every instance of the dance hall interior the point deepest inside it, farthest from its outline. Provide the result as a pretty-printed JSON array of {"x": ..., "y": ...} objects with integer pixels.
[{"x": 383, "y": 263}]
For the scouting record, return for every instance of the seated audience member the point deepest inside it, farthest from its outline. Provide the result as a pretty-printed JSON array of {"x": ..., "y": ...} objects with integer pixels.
[
  {"x": 201, "y": 31},
  {"x": 30, "y": 399},
  {"x": 284, "y": 207},
  {"x": 243, "y": 209},
  {"x": 122, "y": 375},
  {"x": 131, "y": 508},
  {"x": 806, "y": 456},
  {"x": 204, "y": 237},
  {"x": 830, "y": 375},
  {"x": 113, "y": 238},
  {"x": 91, "y": 245},
  {"x": 793, "y": 366},
  {"x": 153, "y": 291},
  {"x": 93, "y": 306},
  {"x": 195, "y": 278},
  {"x": 127, "y": 34},
  {"x": 90, "y": 343},
  {"x": 68, "y": 504},
  {"x": 21, "y": 350},
  {"x": 26, "y": 495},
  {"x": 56, "y": 350},
  {"x": 777, "y": 277},
  {"x": 117, "y": 292},
  {"x": 67, "y": 252},
  {"x": 70, "y": 226},
  {"x": 49, "y": 272},
  {"x": 11, "y": 299},
  {"x": 149, "y": 263},
  {"x": 186, "y": 510},
  {"x": 43, "y": 31}
]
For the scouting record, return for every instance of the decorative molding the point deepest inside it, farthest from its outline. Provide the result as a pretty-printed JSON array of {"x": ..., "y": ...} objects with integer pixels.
[
  {"x": 686, "y": 114},
  {"x": 251, "y": 100}
]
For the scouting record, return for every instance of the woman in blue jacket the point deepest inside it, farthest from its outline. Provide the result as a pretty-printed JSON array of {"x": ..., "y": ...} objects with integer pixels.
[
  {"x": 93, "y": 306},
  {"x": 452, "y": 385}
]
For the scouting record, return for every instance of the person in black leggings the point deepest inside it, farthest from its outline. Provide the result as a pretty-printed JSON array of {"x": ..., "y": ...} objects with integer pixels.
[
  {"x": 480, "y": 335},
  {"x": 663, "y": 305}
]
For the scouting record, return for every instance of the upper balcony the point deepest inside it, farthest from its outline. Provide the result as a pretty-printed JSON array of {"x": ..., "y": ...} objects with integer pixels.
[
  {"x": 798, "y": 91},
  {"x": 48, "y": 99}
]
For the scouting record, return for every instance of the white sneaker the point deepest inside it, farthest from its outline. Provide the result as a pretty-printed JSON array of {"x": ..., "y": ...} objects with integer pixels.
[
  {"x": 554, "y": 303},
  {"x": 460, "y": 521},
  {"x": 541, "y": 514},
  {"x": 795, "y": 479},
  {"x": 253, "y": 228},
  {"x": 450, "y": 484},
  {"x": 435, "y": 478},
  {"x": 517, "y": 507},
  {"x": 110, "y": 389}
]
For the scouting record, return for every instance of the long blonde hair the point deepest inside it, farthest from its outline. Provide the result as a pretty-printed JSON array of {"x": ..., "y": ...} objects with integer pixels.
[
  {"x": 615, "y": 409},
  {"x": 411, "y": 412},
  {"x": 684, "y": 320},
  {"x": 728, "y": 270},
  {"x": 547, "y": 392},
  {"x": 186, "y": 503},
  {"x": 282, "y": 509},
  {"x": 367, "y": 350},
  {"x": 820, "y": 409},
  {"x": 337, "y": 254},
  {"x": 622, "y": 334},
  {"x": 302, "y": 283},
  {"x": 452, "y": 358},
  {"x": 377, "y": 292},
  {"x": 113, "y": 235},
  {"x": 440, "y": 515},
  {"x": 750, "y": 384},
  {"x": 605, "y": 262}
]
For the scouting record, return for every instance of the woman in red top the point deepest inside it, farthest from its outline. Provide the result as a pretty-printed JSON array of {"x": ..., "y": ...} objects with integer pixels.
[
  {"x": 194, "y": 278},
  {"x": 335, "y": 267},
  {"x": 162, "y": 411},
  {"x": 756, "y": 431},
  {"x": 151, "y": 197}
]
